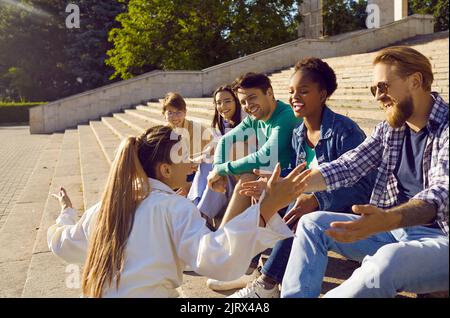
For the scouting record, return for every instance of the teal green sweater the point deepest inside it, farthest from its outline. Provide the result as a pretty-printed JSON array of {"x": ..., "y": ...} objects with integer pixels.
[{"x": 274, "y": 142}]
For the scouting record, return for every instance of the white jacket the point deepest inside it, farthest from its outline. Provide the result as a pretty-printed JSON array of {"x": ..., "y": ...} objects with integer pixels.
[{"x": 168, "y": 233}]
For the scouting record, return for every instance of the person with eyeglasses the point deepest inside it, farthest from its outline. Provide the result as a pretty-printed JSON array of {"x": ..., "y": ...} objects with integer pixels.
[
  {"x": 174, "y": 110},
  {"x": 401, "y": 237}
]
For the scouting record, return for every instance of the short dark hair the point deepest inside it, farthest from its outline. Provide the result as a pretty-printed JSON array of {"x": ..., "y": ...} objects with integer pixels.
[
  {"x": 252, "y": 80},
  {"x": 175, "y": 100},
  {"x": 319, "y": 72}
]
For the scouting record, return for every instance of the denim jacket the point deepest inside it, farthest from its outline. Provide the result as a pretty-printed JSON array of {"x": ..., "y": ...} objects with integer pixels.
[{"x": 338, "y": 134}]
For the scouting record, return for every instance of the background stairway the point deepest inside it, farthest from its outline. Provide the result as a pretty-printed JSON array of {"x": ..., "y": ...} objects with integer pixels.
[{"x": 79, "y": 159}]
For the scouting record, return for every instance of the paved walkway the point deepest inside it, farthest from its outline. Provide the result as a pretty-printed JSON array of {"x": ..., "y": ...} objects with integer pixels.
[{"x": 18, "y": 153}]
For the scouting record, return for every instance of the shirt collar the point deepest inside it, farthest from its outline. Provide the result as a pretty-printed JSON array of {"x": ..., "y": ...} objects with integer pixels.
[
  {"x": 326, "y": 126},
  {"x": 158, "y": 185},
  {"x": 439, "y": 113},
  {"x": 276, "y": 111}
]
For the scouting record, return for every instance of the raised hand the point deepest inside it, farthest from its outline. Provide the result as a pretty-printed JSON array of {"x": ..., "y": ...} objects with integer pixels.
[
  {"x": 63, "y": 199},
  {"x": 281, "y": 191},
  {"x": 254, "y": 189}
]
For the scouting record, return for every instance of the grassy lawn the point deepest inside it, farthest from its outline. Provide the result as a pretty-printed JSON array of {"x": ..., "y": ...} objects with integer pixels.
[{"x": 14, "y": 104}]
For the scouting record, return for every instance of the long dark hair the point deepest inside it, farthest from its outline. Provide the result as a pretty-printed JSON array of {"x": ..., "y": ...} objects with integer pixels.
[
  {"x": 126, "y": 187},
  {"x": 217, "y": 120}
]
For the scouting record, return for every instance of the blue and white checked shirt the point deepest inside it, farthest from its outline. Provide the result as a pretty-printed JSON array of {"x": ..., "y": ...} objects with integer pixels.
[{"x": 382, "y": 150}]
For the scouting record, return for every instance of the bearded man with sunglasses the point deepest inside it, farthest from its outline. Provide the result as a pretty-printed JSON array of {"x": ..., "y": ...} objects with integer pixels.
[{"x": 401, "y": 237}]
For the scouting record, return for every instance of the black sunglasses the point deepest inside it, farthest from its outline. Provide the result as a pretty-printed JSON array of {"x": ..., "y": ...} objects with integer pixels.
[{"x": 381, "y": 86}]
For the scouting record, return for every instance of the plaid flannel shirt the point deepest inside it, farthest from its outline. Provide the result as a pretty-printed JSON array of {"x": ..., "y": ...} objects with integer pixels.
[{"x": 382, "y": 150}]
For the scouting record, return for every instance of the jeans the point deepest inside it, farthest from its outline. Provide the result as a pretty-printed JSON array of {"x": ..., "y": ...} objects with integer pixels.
[
  {"x": 413, "y": 259},
  {"x": 275, "y": 265}
]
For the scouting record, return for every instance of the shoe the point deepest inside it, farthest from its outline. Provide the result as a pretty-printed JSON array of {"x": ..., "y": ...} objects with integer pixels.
[
  {"x": 256, "y": 289},
  {"x": 187, "y": 268},
  {"x": 220, "y": 285}
]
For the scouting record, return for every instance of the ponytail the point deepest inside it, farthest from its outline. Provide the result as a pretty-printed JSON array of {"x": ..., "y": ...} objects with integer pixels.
[{"x": 126, "y": 187}]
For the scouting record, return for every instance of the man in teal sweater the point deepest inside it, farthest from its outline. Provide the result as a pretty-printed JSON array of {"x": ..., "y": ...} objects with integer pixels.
[{"x": 271, "y": 121}]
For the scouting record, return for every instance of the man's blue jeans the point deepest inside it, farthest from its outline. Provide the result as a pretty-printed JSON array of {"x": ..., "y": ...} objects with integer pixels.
[{"x": 413, "y": 259}]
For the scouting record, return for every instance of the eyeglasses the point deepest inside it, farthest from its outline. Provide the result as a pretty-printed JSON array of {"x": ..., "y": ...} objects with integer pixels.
[
  {"x": 174, "y": 114},
  {"x": 381, "y": 86}
]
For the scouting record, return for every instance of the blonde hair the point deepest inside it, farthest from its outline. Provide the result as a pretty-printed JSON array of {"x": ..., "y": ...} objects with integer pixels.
[
  {"x": 408, "y": 61},
  {"x": 126, "y": 187}
]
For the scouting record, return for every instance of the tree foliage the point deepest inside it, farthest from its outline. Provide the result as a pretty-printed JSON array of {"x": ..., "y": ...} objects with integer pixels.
[
  {"x": 42, "y": 59},
  {"x": 87, "y": 46},
  {"x": 195, "y": 34},
  {"x": 437, "y": 8},
  {"x": 340, "y": 16},
  {"x": 31, "y": 55}
]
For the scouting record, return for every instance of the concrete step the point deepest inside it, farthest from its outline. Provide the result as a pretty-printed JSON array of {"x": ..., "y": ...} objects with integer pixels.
[
  {"x": 120, "y": 129},
  {"x": 18, "y": 234},
  {"x": 107, "y": 140},
  {"x": 134, "y": 122},
  {"x": 155, "y": 115},
  {"x": 152, "y": 116},
  {"x": 193, "y": 110},
  {"x": 52, "y": 283},
  {"x": 200, "y": 101},
  {"x": 359, "y": 91},
  {"x": 438, "y": 63},
  {"x": 94, "y": 166}
]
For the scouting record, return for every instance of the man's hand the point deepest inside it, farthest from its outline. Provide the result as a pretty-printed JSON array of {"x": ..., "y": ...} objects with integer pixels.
[
  {"x": 281, "y": 191},
  {"x": 216, "y": 182},
  {"x": 373, "y": 220},
  {"x": 306, "y": 203},
  {"x": 63, "y": 199},
  {"x": 255, "y": 188}
]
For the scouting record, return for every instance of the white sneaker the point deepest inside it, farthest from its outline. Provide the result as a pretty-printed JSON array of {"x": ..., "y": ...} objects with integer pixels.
[
  {"x": 241, "y": 282},
  {"x": 256, "y": 289},
  {"x": 187, "y": 268}
]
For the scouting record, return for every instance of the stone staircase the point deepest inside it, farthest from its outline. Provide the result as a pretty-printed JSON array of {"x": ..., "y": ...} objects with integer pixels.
[{"x": 79, "y": 159}]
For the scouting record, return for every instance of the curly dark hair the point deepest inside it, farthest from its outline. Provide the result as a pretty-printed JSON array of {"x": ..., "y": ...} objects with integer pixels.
[{"x": 319, "y": 72}]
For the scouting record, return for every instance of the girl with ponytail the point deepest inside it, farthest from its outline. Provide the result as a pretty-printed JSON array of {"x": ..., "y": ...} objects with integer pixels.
[{"x": 138, "y": 239}]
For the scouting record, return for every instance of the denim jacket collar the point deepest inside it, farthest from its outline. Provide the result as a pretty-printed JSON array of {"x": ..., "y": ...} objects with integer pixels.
[{"x": 326, "y": 127}]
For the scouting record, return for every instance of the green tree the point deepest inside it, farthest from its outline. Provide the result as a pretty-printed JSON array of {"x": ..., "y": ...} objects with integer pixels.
[
  {"x": 32, "y": 45},
  {"x": 194, "y": 34},
  {"x": 340, "y": 16},
  {"x": 87, "y": 46},
  {"x": 437, "y": 8},
  {"x": 41, "y": 59}
]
